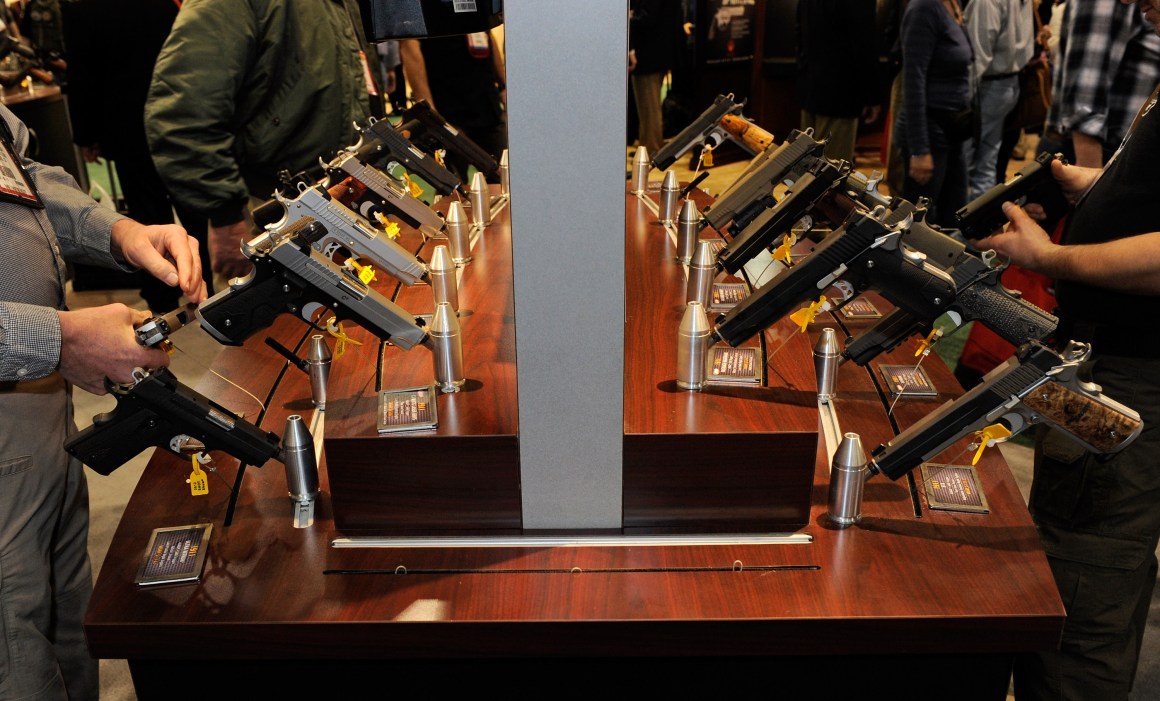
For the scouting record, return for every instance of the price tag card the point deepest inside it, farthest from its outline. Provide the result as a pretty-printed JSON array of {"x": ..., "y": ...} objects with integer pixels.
[
  {"x": 175, "y": 555},
  {"x": 908, "y": 380},
  {"x": 408, "y": 409},
  {"x": 859, "y": 308},
  {"x": 726, "y": 295},
  {"x": 733, "y": 366},
  {"x": 953, "y": 488}
]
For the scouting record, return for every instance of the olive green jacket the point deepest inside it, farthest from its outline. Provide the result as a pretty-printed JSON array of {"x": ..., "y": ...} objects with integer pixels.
[{"x": 244, "y": 89}]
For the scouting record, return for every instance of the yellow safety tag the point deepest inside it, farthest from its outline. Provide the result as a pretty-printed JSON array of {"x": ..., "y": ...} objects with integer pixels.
[
  {"x": 390, "y": 228},
  {"x": 198, "y": 484},
  {"x": 805, "y": 315},
  {"x": 335, "y": 329},
  {"x": 989, "y": 436},
  {"x": 366, "y": 273},
  {"x": 707, "y": 157},
  {"x": 440, "y": 154},
  {"x": 782, "y": 252},
  {"x": 925, "y": 344},
  {"x": 412, "y": 186}
]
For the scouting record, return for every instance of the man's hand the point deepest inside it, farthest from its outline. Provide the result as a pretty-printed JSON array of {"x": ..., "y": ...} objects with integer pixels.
[
  {"x": 99, "y": 342},
  {"x": 1023, "y": 241},
  {"x": 225, "y": 249},
  {"x": 165, "y": 251},
  {"x": 922, "y": 168}
]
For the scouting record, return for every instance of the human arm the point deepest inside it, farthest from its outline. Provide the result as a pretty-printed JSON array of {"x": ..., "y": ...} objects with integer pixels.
[
  {"x": 1100, "y": 49},
  {"x": 917, "y": 40},
  {"x": 192, "y": 114},
  {"x": 1130, "y": 264},
  {"x": 415, "y": 71}
]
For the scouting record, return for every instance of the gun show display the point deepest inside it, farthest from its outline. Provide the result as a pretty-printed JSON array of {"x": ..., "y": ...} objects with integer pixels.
[
  {"x": 320, "y": 247},
  {"x": 723, "y": 455},
  {"x": 881, "y": 245}
]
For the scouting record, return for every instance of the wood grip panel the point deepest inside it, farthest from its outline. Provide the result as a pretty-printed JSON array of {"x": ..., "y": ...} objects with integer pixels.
[
  {"x": 1100, "y": 426},
  {"x": 748, "y": 133}
]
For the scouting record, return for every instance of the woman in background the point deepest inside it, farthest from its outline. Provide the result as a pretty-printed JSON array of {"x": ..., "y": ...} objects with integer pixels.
[{"x": 936, "y": 116}]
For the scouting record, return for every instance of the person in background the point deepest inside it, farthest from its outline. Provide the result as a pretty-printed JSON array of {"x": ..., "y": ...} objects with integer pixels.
[
  {"x": 463, "y": 78},
  {"x": 655, "y": 31},
  {"x": 832, "y": 37},
  {"x": 936, "y": 116},
  {"x": 1109, "y": 61},
  {"x": 1098, "y": 516},
  {"x": 392, "y": 80},
  {"x": 112, "y": 46},
  {"x": 1002, "y": 36},
  {"x": 245, "y": 90},
  {"x": 1018, "y": 142},
  {"x": 46, "y": 350}
]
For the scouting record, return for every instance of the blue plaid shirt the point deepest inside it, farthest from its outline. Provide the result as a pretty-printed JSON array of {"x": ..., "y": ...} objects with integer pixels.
[{"x": 1108, "y": 65}]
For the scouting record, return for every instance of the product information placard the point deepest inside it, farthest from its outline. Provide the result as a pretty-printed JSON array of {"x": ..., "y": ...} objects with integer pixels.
[
  {"x": 953, "y": 488},
  {"x": 175, "y": 555},
  {"x": 409, "y": 409},
  {"x": 908, "y": 380}
]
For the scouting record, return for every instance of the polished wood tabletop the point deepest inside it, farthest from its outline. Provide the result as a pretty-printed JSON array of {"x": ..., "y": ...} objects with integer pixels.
[{"x": 905, "y": 581}]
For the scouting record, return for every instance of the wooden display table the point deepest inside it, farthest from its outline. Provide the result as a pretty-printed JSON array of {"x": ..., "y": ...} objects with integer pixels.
[{"x": 909, "y": 602}]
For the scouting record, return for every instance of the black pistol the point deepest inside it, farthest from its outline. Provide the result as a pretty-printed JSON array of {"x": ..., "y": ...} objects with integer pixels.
[
  {"x": 158, "y": 411},
  {"x": 984, "y": 215}
]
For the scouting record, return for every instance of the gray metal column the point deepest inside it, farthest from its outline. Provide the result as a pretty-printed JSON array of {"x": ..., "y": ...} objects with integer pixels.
[{"x": 567, "y": 83}]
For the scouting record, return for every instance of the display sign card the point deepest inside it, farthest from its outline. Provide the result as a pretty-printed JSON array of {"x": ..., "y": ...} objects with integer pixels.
[
  {"x": 908, "y": 380},
  {"x": 175, "y": 555},
  {"x": 733, "y": 366},
  {"x": 408, "y": 409},
  {"x": 953, "y": 488},
  {"x": 726, "y": 295},
  {"x": 859, "y": 308}
]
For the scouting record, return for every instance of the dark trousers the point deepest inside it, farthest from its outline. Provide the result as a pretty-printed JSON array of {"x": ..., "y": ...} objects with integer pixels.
[{"x": 1099, "y": 520}]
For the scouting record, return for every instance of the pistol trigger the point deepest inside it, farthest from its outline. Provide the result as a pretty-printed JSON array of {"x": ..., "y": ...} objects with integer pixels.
[{"x": 104, "y": 417}]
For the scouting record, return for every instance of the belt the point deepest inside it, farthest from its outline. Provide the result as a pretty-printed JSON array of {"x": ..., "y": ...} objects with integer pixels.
[{"x": 1000, "y": 76}]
